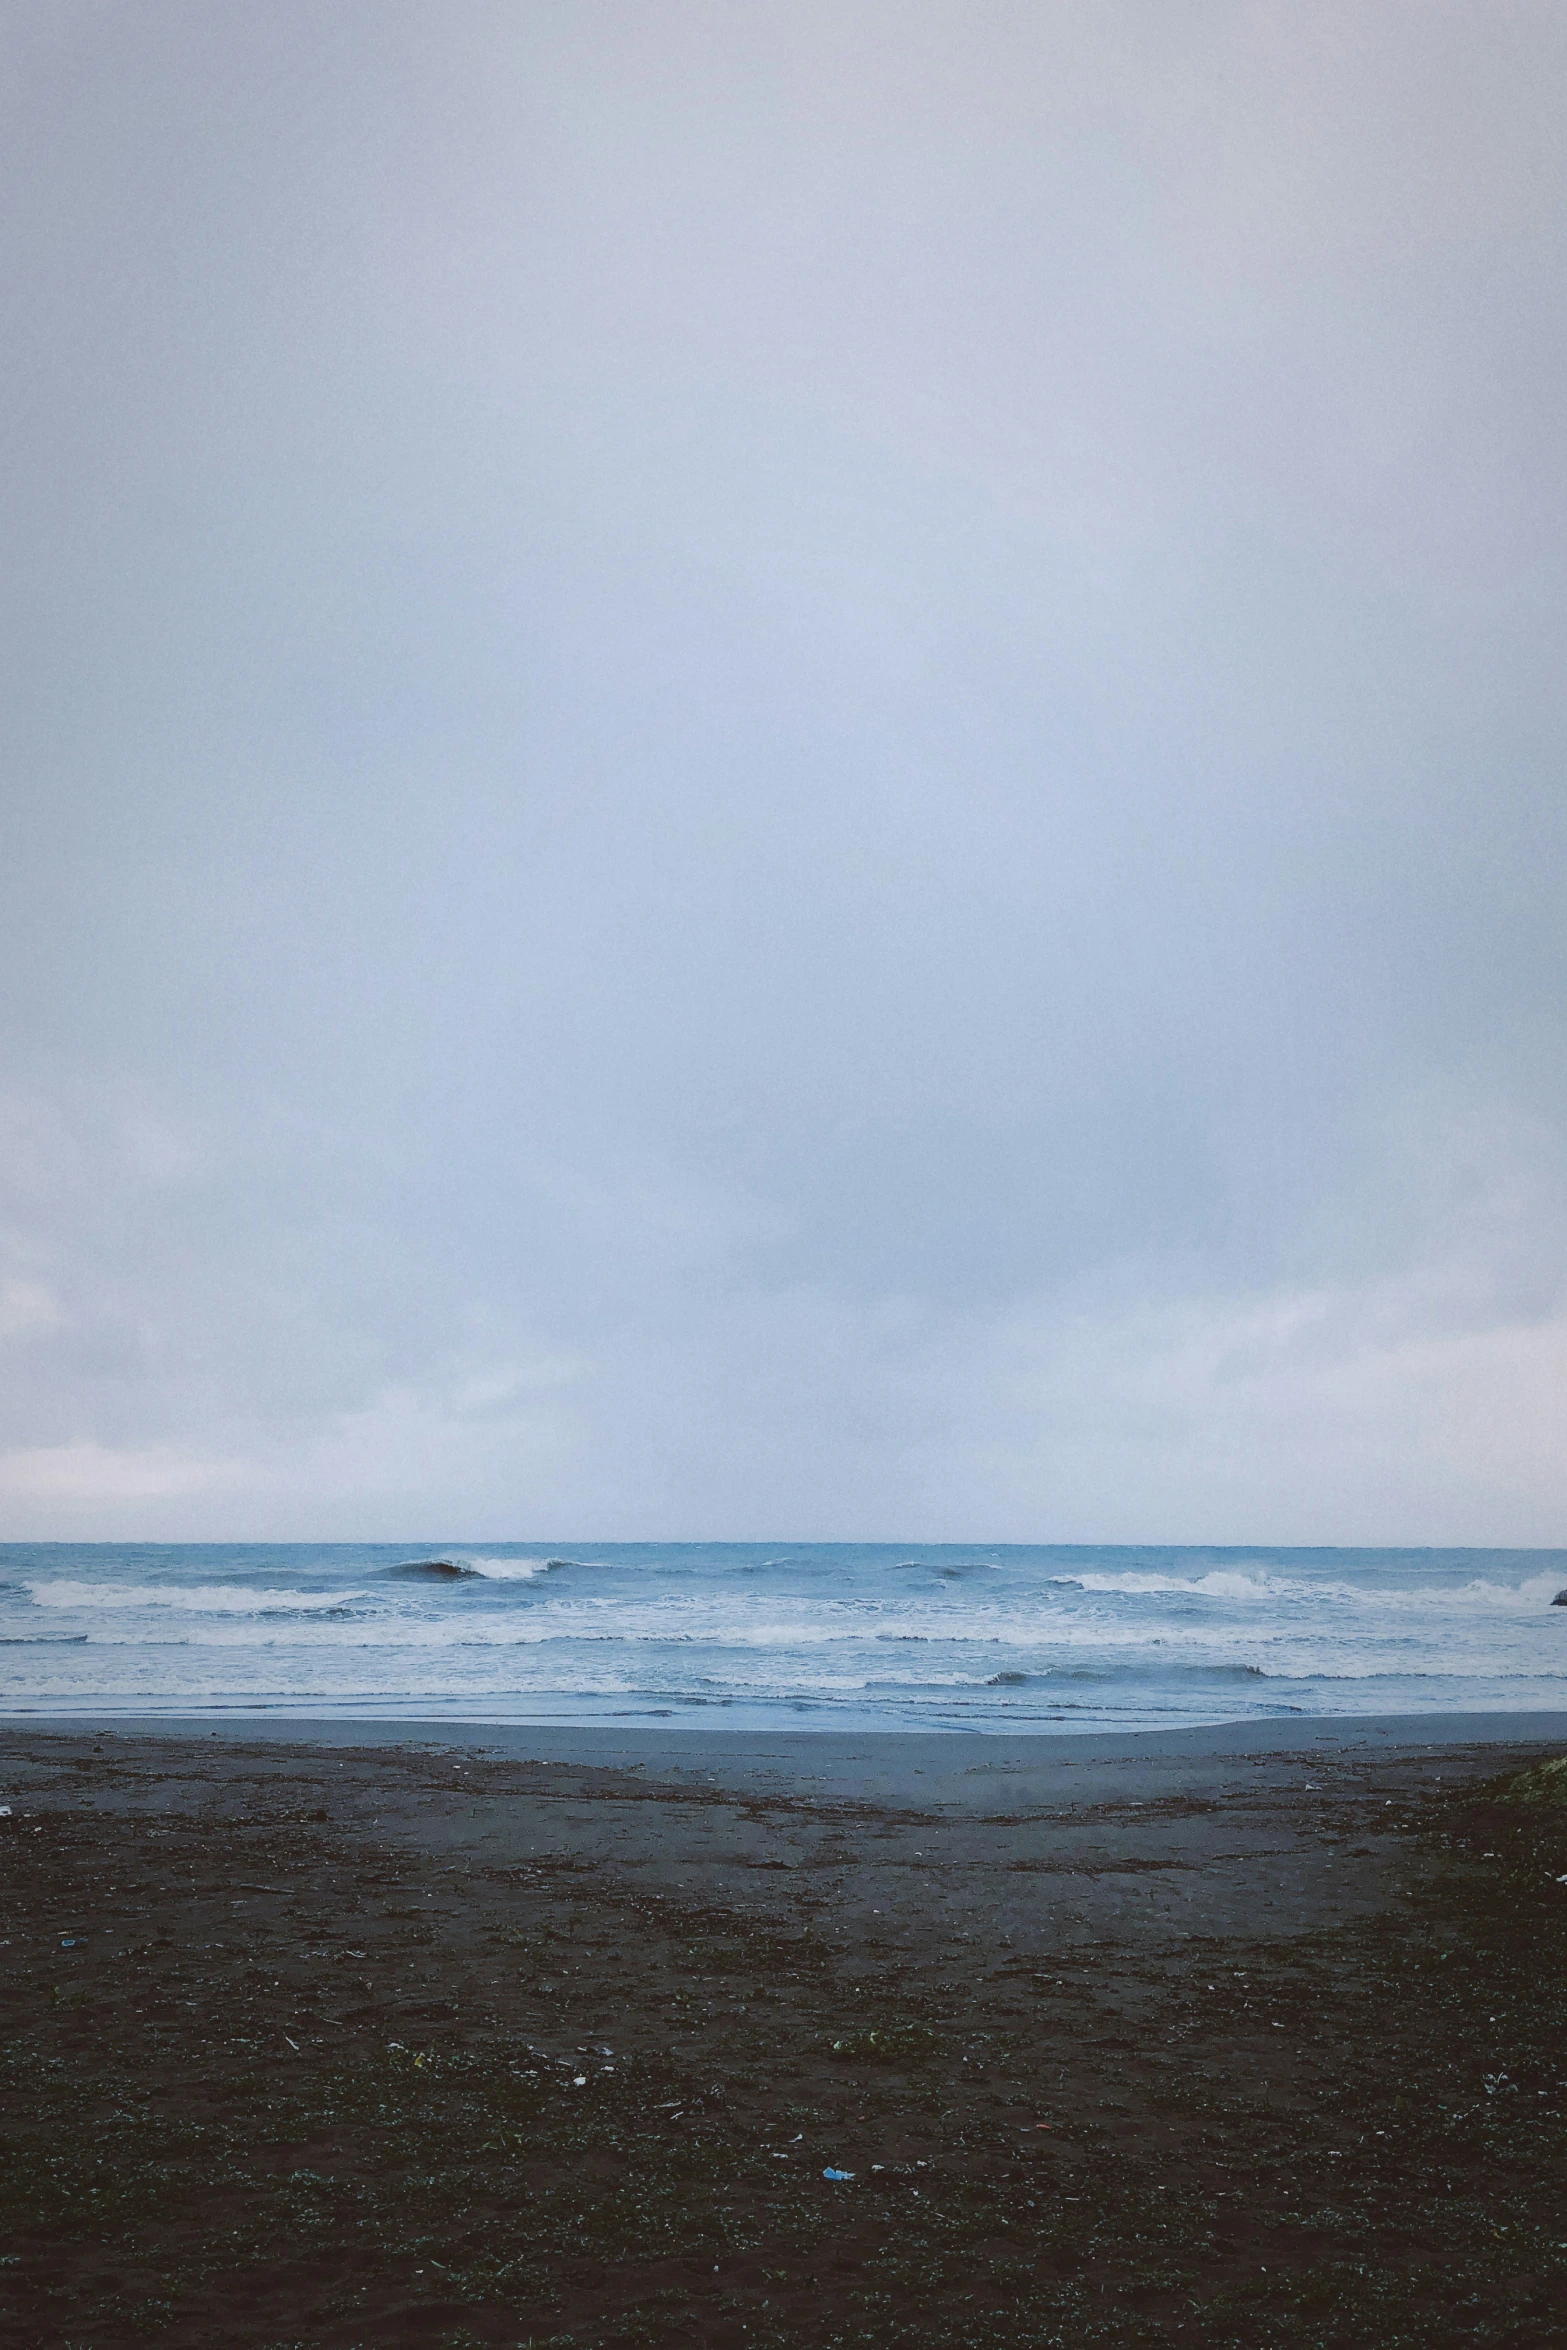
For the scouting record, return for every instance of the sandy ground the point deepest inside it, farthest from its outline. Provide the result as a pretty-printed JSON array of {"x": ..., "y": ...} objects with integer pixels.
[{"x": 1062, "y": 1983}]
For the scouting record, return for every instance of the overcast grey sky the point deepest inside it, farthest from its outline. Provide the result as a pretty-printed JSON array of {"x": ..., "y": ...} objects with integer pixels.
[{"x": 784, "y": 769}]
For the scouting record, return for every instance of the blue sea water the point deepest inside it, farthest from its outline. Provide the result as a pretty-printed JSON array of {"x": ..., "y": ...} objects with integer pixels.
[{"x": 744, "y": 1635}]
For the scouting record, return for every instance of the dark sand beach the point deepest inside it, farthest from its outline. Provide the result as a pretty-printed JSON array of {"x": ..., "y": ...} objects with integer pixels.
[{"x": 351, "y": 2034}]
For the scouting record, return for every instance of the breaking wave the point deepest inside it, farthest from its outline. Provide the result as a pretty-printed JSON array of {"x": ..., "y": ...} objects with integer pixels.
[
  {"x": 493, "y": 1570},
  {"x": 459, "y": 1569},
  {"x": 1238, "y": 1586}
]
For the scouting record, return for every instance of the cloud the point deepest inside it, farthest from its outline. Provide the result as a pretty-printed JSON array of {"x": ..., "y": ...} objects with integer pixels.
[
  {"x": 655, "y": 1366},
  {"x": 87, "y": 1486},
  {"x": 26, "y": 1306},
  {"x": 1339, "y": 1417},
  {"x": 788, "y": 771}
]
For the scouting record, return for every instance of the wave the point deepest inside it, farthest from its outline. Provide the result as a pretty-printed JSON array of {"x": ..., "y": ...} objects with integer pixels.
[
  {"x": 1446, "y": 1673},
  {"x": 461, "y": 1569},
  {"x": 1234, "y": 1583},
  {"x": 219, "y": 1599},
  {"x": 1114, "y": 1636},
  {"x": 1534, "y": 1591},
  {"x": 1220, "y": 1583}
]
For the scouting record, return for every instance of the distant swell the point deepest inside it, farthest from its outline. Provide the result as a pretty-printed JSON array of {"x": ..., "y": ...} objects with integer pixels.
[{"x": 218, "y": 1599}]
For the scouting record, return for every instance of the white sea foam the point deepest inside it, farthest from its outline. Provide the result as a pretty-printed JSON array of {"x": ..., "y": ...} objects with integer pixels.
[
  {"x": 493, "y": 1570},
  {"x": 1235, "y": 1584},
  {"x": 1219, "y": 1583},
  {"x": 1534, "y": 1592}
]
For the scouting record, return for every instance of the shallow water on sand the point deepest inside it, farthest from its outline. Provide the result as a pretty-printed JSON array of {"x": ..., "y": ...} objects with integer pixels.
[{"x": 840, "y": 1635}]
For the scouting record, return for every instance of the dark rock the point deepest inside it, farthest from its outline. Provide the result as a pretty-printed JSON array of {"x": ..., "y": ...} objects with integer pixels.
[{"x": 1560, "y": 1600}]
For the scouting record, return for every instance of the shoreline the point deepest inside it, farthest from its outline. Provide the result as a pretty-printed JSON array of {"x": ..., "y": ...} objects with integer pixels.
[
  {"x": 1487, "y": 1723},
  {"x": 884, "y": 1754}
]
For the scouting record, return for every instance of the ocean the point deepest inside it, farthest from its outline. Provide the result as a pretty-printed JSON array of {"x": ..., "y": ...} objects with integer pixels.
[{"x": 745, "y": 1635}]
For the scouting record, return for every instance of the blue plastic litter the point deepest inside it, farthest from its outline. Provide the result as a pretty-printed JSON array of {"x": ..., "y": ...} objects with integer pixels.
[{"x": 837, "y": 2174}]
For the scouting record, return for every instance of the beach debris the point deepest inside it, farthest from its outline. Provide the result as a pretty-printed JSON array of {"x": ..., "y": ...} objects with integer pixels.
[
  {"x": 886, "y": 2044},
  {"x": 830, "y": 2173},
  {"x": 579, "y": 2081},
  {"x": 5, "y": 1811}
]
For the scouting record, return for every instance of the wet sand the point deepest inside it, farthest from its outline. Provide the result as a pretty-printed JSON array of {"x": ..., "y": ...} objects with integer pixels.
[
  {"x": 1020, "y": 1988},
  {"x": 1256, "y": 1828}
]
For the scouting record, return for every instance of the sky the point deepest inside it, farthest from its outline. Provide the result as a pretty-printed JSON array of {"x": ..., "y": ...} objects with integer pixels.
[{"x": 789, "y": 770}]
